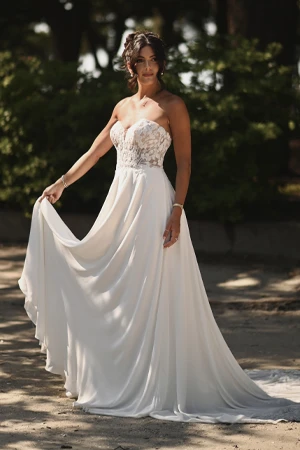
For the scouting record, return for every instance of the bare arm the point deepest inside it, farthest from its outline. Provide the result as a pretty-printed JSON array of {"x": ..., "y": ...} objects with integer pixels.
[
  {"x": 180, "y": 126},
  {"x": 100, "y": 146}
]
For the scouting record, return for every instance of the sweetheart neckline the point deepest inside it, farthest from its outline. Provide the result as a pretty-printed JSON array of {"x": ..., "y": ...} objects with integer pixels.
[{"x": 147, "y": 120}]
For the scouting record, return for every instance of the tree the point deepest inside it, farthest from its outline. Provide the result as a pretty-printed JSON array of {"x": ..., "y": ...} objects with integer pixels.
[
  {"x": 266, "y": 20},
  {"x": 77, "y": 26}
]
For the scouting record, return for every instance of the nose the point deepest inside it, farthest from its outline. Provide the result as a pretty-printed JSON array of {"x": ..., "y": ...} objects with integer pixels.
[{"x": 147, "y": 64}]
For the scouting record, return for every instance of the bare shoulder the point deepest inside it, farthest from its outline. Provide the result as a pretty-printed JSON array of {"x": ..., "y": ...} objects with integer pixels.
[
  {"x": 174, "y": 105},
  {"x": 120, "y": 106},
  {"x": 116, "y": 113},
  {"x": 172, "y": 99},
  {"x": 177, "y": 113}
]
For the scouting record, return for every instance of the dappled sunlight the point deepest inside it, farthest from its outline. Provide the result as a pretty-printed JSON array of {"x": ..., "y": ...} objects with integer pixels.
[
  {"x": 250, "y": 284},
  {"x": 8, "y": 274},
  {"x": 106, "y": 296},
  {"x": 103, "y": 432},
  {"x": 5, "y": 266},
  {"x": 11, "y": 323},
  {"x": 11, "y": 264},
  {"x": 14, "y": 398},
  {"x": 117, "y": 312},
  {"x": 38, "y": 414},
  {"x": 286, "y": 285},
  {"x": 243, "y": 280}
]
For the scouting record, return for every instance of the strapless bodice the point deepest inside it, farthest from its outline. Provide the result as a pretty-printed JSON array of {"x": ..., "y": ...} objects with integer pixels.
[{"x": 143, "y": 144}]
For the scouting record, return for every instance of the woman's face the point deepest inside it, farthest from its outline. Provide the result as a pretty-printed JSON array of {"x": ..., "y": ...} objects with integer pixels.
[{"x": 147, "y": 66}]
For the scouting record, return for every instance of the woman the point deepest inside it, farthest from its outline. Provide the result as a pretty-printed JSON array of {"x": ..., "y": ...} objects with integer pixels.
[{"x": 123, "y": 313}]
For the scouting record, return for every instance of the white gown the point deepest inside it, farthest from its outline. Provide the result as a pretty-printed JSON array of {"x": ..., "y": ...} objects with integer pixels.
[{"x": 127, "y": 322}]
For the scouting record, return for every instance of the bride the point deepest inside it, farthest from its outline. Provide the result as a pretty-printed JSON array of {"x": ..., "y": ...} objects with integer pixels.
[{"x": 123, "y": 314}]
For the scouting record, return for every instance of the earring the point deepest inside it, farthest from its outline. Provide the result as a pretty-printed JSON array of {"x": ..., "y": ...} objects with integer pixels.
[
  {"x": 131, "y": 75},
  {"x": 162, "y": 74}
]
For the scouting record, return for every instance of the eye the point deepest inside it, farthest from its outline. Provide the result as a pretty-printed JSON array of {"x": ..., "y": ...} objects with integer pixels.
[{"x": 139, "y": 60}]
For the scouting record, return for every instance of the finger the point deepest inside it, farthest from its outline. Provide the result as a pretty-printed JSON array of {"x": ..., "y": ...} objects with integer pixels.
[
  {"x": 50, "y": 199},
  {"x": 42, "y": 197},
  {"x": 166, "y": 233},
  {"x": 167, "y": 239},
  {"x": 173, "y": 241}
]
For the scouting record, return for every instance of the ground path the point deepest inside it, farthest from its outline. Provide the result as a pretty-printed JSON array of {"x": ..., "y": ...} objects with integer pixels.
[{"x": 256, "y": 305}]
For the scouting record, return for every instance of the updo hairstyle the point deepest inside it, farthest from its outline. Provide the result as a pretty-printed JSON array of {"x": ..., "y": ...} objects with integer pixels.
[{"x": 133, "y": 45}]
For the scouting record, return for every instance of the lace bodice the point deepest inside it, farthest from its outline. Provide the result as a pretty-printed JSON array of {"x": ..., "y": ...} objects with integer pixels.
[{"x": 144, "y": 143}]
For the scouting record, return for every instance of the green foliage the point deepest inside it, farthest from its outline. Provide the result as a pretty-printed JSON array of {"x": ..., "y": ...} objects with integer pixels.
[
  {"x": 241, "y": 117},
  {"x": 49, "y": 115}
]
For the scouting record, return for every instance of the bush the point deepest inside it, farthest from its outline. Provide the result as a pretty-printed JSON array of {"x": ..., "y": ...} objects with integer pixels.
[
  {"x": 50, "y": 114},
  {"x": 241, "y": 119}
]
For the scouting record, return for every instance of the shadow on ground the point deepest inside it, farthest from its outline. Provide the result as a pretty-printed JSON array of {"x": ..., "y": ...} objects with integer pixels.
[{"x": 36, "y": 414}]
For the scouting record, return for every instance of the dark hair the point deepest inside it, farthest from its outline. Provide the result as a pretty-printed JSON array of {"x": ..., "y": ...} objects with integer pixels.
[{"x": 133, "y": 45}]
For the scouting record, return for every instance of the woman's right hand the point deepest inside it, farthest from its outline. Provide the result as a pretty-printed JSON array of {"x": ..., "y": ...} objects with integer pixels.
[{"x": 53, "y": 192}]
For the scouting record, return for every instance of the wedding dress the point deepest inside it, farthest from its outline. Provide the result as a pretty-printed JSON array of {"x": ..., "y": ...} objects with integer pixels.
[{"x": 127, "y": 322}]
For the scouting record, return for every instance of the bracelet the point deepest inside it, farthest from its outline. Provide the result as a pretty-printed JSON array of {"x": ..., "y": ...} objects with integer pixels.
[
  {"x": 63, "y": 181},
  {"x": 178, "y": 204}
]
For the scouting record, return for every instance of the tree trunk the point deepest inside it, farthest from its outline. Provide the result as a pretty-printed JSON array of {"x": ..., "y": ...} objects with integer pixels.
[
  {"x": 220, "y": 8},
  {"x": 67, "y": 27},
  {"x": 267, "y": 20},
  {"x": 274, "y": 22}
]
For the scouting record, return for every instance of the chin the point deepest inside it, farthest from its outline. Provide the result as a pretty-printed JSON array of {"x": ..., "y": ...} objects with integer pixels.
[{"x": 149, "y": 80}]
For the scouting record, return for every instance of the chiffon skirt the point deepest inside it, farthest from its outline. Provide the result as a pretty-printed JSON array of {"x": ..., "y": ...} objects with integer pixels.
[{"x": 128, "y": 324}]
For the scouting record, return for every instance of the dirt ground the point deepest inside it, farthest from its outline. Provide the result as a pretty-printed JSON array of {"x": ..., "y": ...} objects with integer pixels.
[{"x": 256, "y": 305}]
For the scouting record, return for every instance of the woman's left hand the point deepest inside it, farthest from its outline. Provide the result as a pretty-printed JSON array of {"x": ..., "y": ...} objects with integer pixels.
[{"x": 172, "y": 230}]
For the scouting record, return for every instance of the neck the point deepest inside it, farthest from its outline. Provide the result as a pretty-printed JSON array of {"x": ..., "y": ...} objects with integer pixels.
[{"x": 148, "y": 91}]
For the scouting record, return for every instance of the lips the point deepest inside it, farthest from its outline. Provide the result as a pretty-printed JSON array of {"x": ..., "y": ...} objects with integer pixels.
[{"x": 148, "y": 75}]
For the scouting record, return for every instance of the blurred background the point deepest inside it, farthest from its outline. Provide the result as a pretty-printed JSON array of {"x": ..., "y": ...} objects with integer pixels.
[{"x": 234, "y": 62}]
